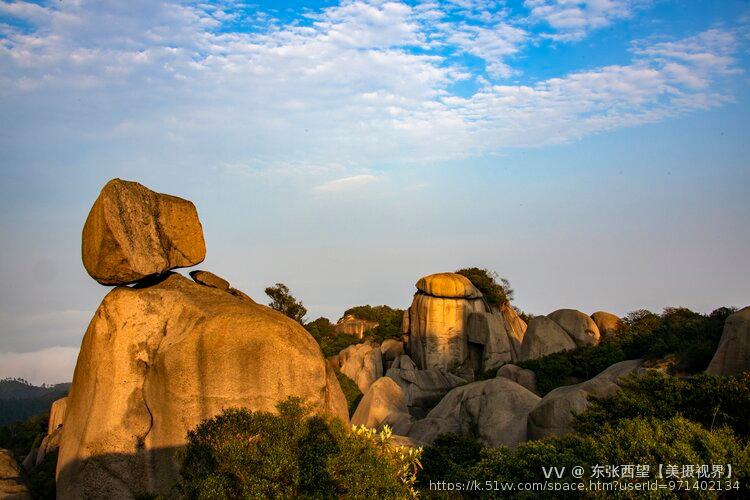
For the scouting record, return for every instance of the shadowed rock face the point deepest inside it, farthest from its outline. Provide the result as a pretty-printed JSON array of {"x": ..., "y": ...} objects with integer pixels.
[
  {"x": 132, "y": 232},
  {"x": 362, "y": 363},
  {"x": 732, "y": 357},
  {"x": 544, "y": 337},
  {"x": 12, "y": 485},
  {"x": 156, "y": 361}
]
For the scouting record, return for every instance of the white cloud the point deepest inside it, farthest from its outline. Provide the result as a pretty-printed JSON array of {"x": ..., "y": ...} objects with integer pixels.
[
  {"x": 345, "y": 183},
  {"x": 51, "y": 365},
  {"x": 573, "y": 19}
]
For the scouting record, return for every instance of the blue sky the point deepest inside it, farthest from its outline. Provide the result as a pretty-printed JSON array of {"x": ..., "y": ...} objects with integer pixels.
[{"x": 593, "y": 152}]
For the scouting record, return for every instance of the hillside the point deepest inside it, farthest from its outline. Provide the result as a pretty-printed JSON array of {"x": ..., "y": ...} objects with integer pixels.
[{"x": 19, "y": 399}]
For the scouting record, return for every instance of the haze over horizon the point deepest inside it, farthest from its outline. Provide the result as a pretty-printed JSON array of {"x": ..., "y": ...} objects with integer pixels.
[{"x": 593, "y": 152}]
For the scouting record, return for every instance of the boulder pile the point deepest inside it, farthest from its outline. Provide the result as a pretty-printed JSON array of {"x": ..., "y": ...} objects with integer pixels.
[{"x": 168, "y": 352}]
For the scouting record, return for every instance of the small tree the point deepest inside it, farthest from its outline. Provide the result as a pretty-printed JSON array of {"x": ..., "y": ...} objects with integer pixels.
[
  {"x": 496, "y": 293},
  {"x": 284, "y": 302}
]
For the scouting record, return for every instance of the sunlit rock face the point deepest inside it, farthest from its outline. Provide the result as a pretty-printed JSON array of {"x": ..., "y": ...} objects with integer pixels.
[
  {"x": 132, "y": 232},
  {"x": 732, "y": 357},
  {"x": 351, "y": 325},
  {"x": 156, "y": 361}
]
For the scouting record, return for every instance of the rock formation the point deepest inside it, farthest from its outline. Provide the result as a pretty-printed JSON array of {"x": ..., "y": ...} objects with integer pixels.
[
  {"x": 162, "y": 356},
  {"x": 383, "y": 404},
  {"x": 526, "y": 378},
  {"x": 732, "y": 357},
  {"x": 578, "y": 325},
  {"x": 609, "y": 325},
  {"x": 12, "y": 484},
  {"x": 362, "y": 363},
  {"x": 57, "y": 414},
  {"x": 132, "y": 232},
  {"x": 422, "y": 389},
  {"x": 553, "y": 415},
  {"x": 210, "y": 279},
  {"x": 390, "y": 350},
  {"x": 544, "y": 337},
  {"x": 351, "y": 325},
  {"x": 494, "y": 411}
]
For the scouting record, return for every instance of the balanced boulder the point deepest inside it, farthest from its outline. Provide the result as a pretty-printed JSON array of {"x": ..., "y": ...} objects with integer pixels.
[
  {"x": 732, "y": 357},
  {"x": 156, "y": 361},
  {"x": 544, "y": 337},
  {"x": 554, "y": 414},
  {"x": 132, "y": 232},
  {"x": 494, "y": 411},
  {"x": 578, "y": 325}
]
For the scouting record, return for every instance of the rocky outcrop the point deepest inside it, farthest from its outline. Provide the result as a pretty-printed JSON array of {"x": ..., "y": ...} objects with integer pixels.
[
  {"x": 488, "y": 330},
  {"x": 210, "y": 279},
  {"x": 515, "y": 326},
  {"x": 494, "y": 411},
  {"x": 12, "y": 484},
  {"x": 608, "y": 324},
  {"x": 544, "y": 337},
  {"x": 403, "y": 362},
  {"x": 351, "y": 325},
  {"x": 57, "y": 414},
  {"x": 448, "y": 286},
  {"x": 423, "y": 389},
  {"x": 156, "y": 361},
  {"x": 521, "y": 376},
  {"x": 390, "y": 350},
  {"x": 578, "y": 325},
  {"x": 383, "y": 404},
  {"x": 554, "y": 414},
  {"x": 362, "y": 363},
  {"x": 732, "y": 357},
  {"x": 132, "y": 232}
]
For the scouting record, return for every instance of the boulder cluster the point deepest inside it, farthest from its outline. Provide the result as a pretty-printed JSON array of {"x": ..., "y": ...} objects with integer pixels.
[{"x": 167, "y": 352}]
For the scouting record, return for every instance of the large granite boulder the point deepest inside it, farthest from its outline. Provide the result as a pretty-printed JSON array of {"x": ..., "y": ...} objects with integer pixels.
[
  {"x": 609, "y": 325},
  {"x": 554, "y": 414},
  {"x": 57, "y": 414},
  {"x": 362, "y": 363},
  {"x": 494, "y": 411},
  {"x": 578, "y": 325},
  {"x": 732, "y": 357},
  {"x": 351, "y": 325},
  {"x": 488, "y": 330},
  {"x": 521, "y": 376},
  {"x": 544, "y": 337},
  {"x": 423, "y": 389},
  {"x": 390, "y": 350},
  {"x": 12, "y": 484},
  {"x": 132, "y": 232},
  {"x": 383, "y": 404},
  {"x": 515, "y": 326},
  {"x": 449, "y": 286},
  {"x": 156, "y": 361}
]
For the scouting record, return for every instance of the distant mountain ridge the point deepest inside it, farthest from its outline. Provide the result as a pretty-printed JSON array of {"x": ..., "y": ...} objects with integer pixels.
[{"x": 19, "y": 399}]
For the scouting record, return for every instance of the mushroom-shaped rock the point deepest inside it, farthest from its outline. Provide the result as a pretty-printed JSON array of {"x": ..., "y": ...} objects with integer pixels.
[
  {"x": 57, "y": 414},
  {"x": 448, "y": 286},
  {"x": 544, "y": 337},
  {"x": 423, "y": 389},
  {"x": 554, "y": 414},
  {"x": 12, "y": 485},
  {"x": 522, "y": 376},
  {"x": 607, "y": 323},
  {"x": 494, "y": 411},
  {"x": 132, "y": 232},
  {"x": 383, "y": 404},
  {"x": 210, "y": 279},
  {"x": 579, "y": 326},
  {"x": 156, "y": 361},
  {"x": 732, "y": 357},
  {"x": 362, "y": 363}
]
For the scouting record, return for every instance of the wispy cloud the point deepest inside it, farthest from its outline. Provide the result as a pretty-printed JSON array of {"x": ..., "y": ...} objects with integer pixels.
[
  {"x": 573, "y": 19},
  {"x": 345, "y": 183}
]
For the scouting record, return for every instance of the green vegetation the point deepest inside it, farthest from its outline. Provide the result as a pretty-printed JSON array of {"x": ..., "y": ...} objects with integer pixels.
[
  {"x": 387, "y": 318},
  {"x": 691, "y": 338},
  {"x": 331, "y": 343},
  {"x": 19, "y": 437},
  {"x": 20, "y": 400},
  {"x": 351, "y": 391},
  {"x": 496, "y": 294},
  {"x": 243, "y": 454},
  {"x": 283, "y": 301}
]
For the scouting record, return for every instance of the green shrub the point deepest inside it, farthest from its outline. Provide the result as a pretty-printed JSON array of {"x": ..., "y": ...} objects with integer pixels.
[
  {"x": 486, "y": 281},
  {"x": 351, "y": 391},
  {"x": 387, "y": 318},
  {"x": 244, "y": 454},
  {"x": 331, "y": 343}
]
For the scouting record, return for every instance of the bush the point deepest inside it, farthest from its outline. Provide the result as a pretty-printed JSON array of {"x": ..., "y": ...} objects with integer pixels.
[
  {"x": 19, "y": 437},
  {"x": 486, "y": 281},
  {"x": 244, "y": 454},
  {"x": 387, "y": 318},
  {"x": 331, "y": 343},
  {"x": 351, "y": 391}
]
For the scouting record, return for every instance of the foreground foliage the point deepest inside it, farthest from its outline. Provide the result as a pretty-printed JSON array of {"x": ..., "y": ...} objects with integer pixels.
[{"x": 244, "y": 454}]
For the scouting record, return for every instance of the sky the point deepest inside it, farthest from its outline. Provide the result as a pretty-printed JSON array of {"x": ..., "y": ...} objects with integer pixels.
[{"x": 593, "y": 152}]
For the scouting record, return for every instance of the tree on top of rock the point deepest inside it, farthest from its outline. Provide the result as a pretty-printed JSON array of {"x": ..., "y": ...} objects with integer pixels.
[
  {"x": 486, "y": 281},
  {"x": 284, "y": 302}
]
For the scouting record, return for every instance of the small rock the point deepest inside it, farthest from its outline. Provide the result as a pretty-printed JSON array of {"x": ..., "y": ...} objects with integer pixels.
[{"x": 209, "y": 279}]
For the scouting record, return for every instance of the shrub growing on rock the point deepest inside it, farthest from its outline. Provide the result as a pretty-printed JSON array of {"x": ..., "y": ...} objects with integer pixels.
[
  {"x": 495, "y": 293},
  {"x": 244, "y": 454}
]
